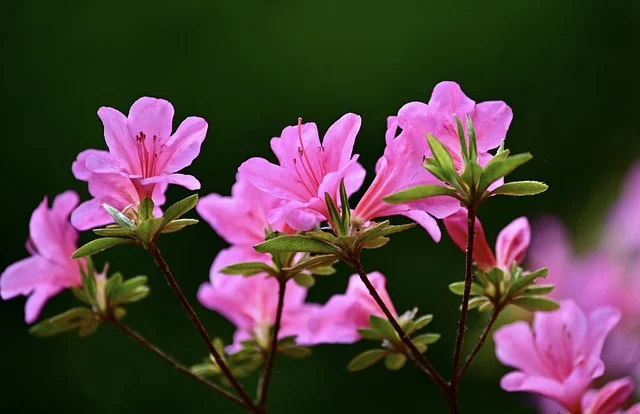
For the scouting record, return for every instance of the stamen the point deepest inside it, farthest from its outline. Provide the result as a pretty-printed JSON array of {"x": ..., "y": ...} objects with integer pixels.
[
  {"x": 295, "y": 166},
  {"x": 303, "y": 154}
]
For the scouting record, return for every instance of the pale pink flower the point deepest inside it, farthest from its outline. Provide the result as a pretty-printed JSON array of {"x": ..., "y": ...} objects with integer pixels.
[
  {"x": 401, "y": 167},
  {"x": 113, "y": 189},
  {"x": 50, "y": 268},
  {"x": 490, "y": 119},
  {"x": 241, "y": 219},
  {"x": 559, "y": 356},
  {"x": 307, "y": 170},
  {"x": 250, "y": 303},
  {"x": 142, "y": 147},
  {"x": 338, "y": 321},
  {"x": 511, "y": 245}
]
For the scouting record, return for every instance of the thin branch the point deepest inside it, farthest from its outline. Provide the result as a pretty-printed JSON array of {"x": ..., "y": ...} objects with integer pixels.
[
  {"x": 481, "y": 341},
  {"x": 265, "y": 379},
  {"x": 418, "y": 358},
  {"x": 155, "y": 252},
  {"x": 169, "y": 360}
]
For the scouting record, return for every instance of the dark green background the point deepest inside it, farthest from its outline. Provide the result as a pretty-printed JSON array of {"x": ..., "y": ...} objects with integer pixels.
[{"x": 567, "y": 68}]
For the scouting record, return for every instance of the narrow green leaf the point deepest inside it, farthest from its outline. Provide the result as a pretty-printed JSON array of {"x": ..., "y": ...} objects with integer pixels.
[
  {"x": 320, "y": 261},
  {"x": 477, "y": 302},
  {"x": 463, "y": 140},
  {"x": 89, "y": 327},
  {"x": 81, "y": 295},
  {"x": 527, "y": 279},
  {"x": 247, "y": 269},
  {"x": 295, "y": 244},
  {"x": 179, "y": 209},
  {"x": 336, "y": 220},
  {"x": 370, "y": 334},
  {"x": 387, "y": 231},
  {"x": 64, "y": 322},
  {"x": 344, "y": 206},
  {"x": 114, "y": 232},
  {"x": 383, "y": 327},
  {"x": 521, "y": 188},
  {"x": 426, "y": 339},
  {"x": 297, "y": 352},
  {"x": 145, "y": 211},
  {"x": 538, "y": 290},
  {"x": 495, "y": 170},
  {"x": 395, "y": 362},
  {"x": 323, "y": 271},
  {"x": 376, "y": 243},
  {"x": 321, "y": 235},
  {"x": 120, "y": 218},
  {"x": 458, "y": 288},
  {"x": 177, "y": 225},
  {"x": 443, "y": 158},
  {"x": 533, "y": 303},
  {"x": 423, "y": 321},
  {"x": 418, "y": 193},
  {"x": 473, "y": 144},
  {"x": 98, "y": 245},
  {"x": 113, "y": 283},
  {"x": 304, "y": 280},
  {"x": 366, "y": 359},
  {"x": 433, "y": 167}
]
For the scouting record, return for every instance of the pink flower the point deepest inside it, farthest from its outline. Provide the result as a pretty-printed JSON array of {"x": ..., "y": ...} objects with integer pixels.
[
  {"x": 307, "y": 170},
  {"x": 50, "y": 268},
  {"x": 251, "y": 303},
  {"x": 242, "y": 218},
  {"x": 399, "y": 168},
  {"x": 490, "y": 119},
  {"x": 560, "y": 356},
  {"x": 142, "y": 148},
  {"x": 610, "y": 399},
  {"x": 621, "y": 238},
  {"x": 338, "y": 321},
  {"x": 113, "y": 189},
  {"x": 511, "y": 245}
]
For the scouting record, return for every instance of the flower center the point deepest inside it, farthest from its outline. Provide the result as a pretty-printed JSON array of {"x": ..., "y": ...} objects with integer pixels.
[
  {"x": 306, "y": 173},
  {"x": 147, "y": 154}
]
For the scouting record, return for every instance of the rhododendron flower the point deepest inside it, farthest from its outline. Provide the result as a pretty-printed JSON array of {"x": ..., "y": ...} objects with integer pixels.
[
  {"x": 50, "y": 268},
  {"x": 610, "y": 399},
  {"x": 241, "y": 219},
  {"x": 113, "y": 189},
  {"x": 307, "y": 170},
  {"x": 511, "y": 245},
  {"x": 338, "y": 321},
  {"x": 401, "y": 167},
  {"x": 559, "y": 356},
  {"x": 142, "y": 148},
  {"x": 490, "y": 119},
  {"x": 250, "y": 302}
]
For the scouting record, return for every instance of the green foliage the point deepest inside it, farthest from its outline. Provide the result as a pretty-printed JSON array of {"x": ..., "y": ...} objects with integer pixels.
[
  {"x": 419, "y": 192},
  {"x": 521, "y": 188},
  {"x": 99, "y": 245},
  {"x": 295, "y": 243},
  {"x": 248, "y": 269}
]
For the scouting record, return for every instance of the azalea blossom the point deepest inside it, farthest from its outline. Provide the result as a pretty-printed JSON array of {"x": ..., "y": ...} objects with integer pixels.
[
  {"x": 559, "y": 356},
  {"x": 401, "y": 167},
  {"x": 242, "y": 218},
  {"x": 307, "y": 170},
  {"x": 511, "y": 245},
  {"x": 250, "y": 303},
  {"x": 338, "y": 321},
  {"x": 610, "y": 399},
  {"x": 143, "y": 149},
  {"x": 49, "y": 269},
  {"x": 490, "y": 119},
  {"x": 113, "y": 189}
]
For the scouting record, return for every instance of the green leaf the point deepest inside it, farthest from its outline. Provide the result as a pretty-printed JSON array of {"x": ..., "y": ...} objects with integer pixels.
[
  {"x": 463, "y": 140},
  {"x": 495, "y": 170},
  {"x": 323, "y": 271},
  {"x": 527, "y": 279},
  {"x": 89, "y": 327},
  {"x": 120, "y": 218},
  {"x": 366, "y": 237},
  {"x": 395, "y": 362},
  {"x": 81, "y": 295},
  {"x": 321, "y": 235},
  {"x": 366, "y": 359},
  {"x": 295, "y": 244},
  {"x": 477, "y": 302},
  {"x": 145, "y": 211},
  {"x": 383, "y": 327},
  {"x": 443, "y": 158},
  {"x": 114, "y": 232},
  {"x": 113, "y": 283},
  {"x": 304, "y": 280},
  {"x": 473, "y": 144},
  {"x": 297, "y": 352},
  {"x": 179, "y": 209},
  {"x": 458, "y": 288},
  {"x": 370, "y": 334},
  {"x": 521, "y": 188},
  {"x": 376, "y": 243},
  {"x": 423, "y": 321},
  {"x": 98, "y": 245},
  {"x": 538, "y": 290},
  {"x": 426, "y": 339},
  {"x": 533, "y": 303},
  {"x": 177, "y": 225},
  {"x": 129, "y": 291},
  {"x": 336, "y": 220},
  {"x": 64, "y": 322},
  {"x": 432, "y": 166},
  {"x": 419, "y": 192},
  {"x": 344, "y": 206},
  {"x": 247, "y": 269},
  {"x": 320, "y": 261}
]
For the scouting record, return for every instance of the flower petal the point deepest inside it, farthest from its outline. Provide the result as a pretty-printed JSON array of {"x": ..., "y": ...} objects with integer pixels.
[
  {"x": 122, "y": 145},
  {"x": 150, "y": 116},
  {"x": 426, "y": 221},
  {"x": 456, "y": 225},
  {"x": 89, "y": 215},
  {"x": 22, "y": 277},
  {"x": 339, "y": 140},
  {"x": 272, "y": 179},
  {"x": 610, "y": 398},
  {"x": 513, "y": 242},
  {"x": 491, "y": 121},
  {"x": 188, "y": 181},
  {"x": 37, "y": 300},
  {"x": 184, "y": 145}
]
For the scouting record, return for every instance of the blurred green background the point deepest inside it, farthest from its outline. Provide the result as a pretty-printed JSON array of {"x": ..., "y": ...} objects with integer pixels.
[{"x": 567, "y": 68}]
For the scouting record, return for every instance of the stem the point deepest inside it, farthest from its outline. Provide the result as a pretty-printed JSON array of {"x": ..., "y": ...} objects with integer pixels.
[
  {"x": 418, "y": 358},
  {"x": 265, "y": 379},
  {"x": 157, "y": 256},
  {"x": 481, "y": 341},
  {"x": 462, "y": 323},
  {"x": 169, "y": 360}
]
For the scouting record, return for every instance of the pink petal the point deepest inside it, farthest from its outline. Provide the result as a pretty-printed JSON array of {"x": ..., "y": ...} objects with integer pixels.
[
  {"x": 339, "y": 140},
  {"x": 22, "y": 277},
  {"x": 48, "y": 231},
  {"x": 184, "y": 146},
  {"x": 151, "y": 116},
  {"x": 122, "y": 145},
  {"x": 519, "y": 381},
  {"x": 89, "y": 215},
  {"x": 491, "y": 121},
  {"x": 224, "y": 214},
  {"x": 426, "y": 221},
  {"x": 79, "y": 166},
  {"x": 272, "y": 179},
  {"x": 188, "y": 181},
  {"x": 456, "y": 225},
  {"x": 354, "y": 177},
  {"x": 103, "y": 162},
  {"x": 36, "y": 302},
  {"x": 301, "y": 219},
  {"x": 601, "y": 322},
  {"x": 515, "y": 347},
  {"x": 513, "y": 242},
  {"x": 448, "y": 98},
  {"x": 610, "y": 398},
  {"x": 294, "y": 138},
  {"x": 392, "y": 129}
]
